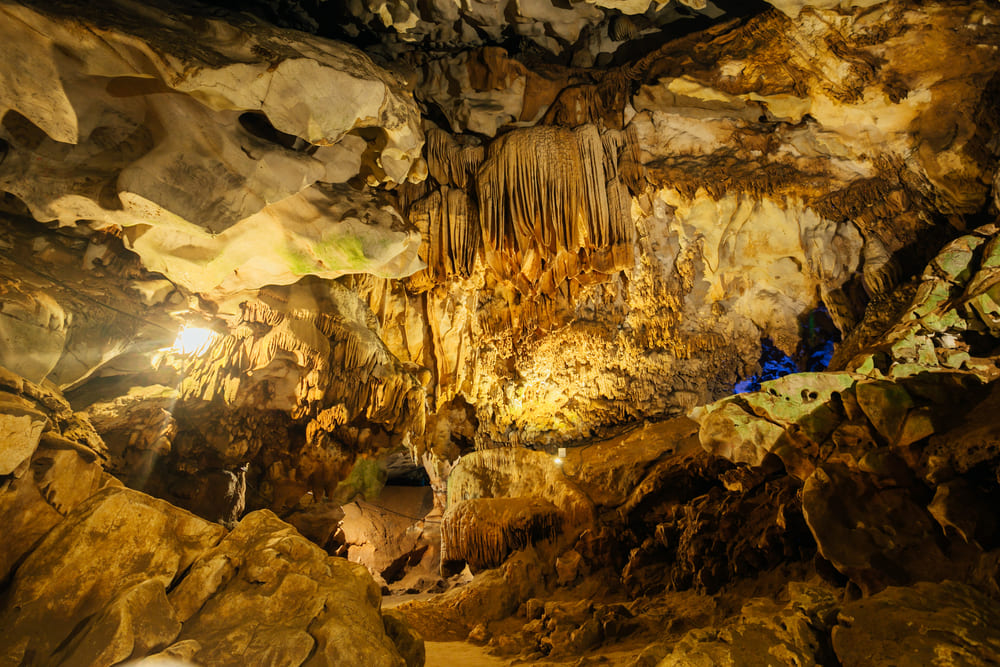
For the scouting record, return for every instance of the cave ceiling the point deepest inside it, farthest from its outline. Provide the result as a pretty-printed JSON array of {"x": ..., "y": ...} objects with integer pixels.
[{"x": 429, "y": 227}]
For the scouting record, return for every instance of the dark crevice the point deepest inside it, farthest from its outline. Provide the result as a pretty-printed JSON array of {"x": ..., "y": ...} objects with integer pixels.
[{"x": 259, "y": 125}]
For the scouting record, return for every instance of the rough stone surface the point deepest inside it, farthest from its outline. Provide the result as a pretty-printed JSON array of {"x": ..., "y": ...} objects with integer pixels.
[
  {"x": 97, "y": 574},
  {"x": 927, "y": 624},
  {"x": 764, "y": 633},
  {"x": 61, "y": 583},
  {"x": 193, "y": 143},
  {"x": 310, "y": 609}
]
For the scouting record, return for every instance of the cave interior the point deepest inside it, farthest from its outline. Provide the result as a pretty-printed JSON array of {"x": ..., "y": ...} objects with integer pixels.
[{"x": 647, "y": 333}]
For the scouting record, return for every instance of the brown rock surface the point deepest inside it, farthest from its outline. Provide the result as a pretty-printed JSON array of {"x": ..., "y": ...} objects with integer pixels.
[
  {"x": 309, "y": 608},
  {"x": 61, "y": 582},
  {"x": 927, "y": 624},
  {"x": 97, "y": 574},
  {"x": 260, "y": 594},
  {"x": 765, "y": 633}
]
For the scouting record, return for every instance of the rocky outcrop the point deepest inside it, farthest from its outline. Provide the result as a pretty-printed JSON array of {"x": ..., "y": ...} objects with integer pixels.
[
  {"x": 50, "y": 460},
  {"x": 177, "y": 586},
  {"x": 869, "y": 445},
  {"x": 765, "y": 633},
  {"x": 94, "y": 573},
  {"x": 948, "y": 623}
]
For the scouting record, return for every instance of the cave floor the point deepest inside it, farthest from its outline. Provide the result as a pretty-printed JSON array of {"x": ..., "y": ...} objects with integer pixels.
[{"x": 460, "y": 654}]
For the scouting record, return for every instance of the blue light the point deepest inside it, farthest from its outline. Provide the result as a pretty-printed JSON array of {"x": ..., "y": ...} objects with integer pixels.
[{"x": 814, "y": 354}]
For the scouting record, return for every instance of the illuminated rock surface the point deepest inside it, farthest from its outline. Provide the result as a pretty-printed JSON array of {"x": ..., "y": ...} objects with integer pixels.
[{"x": 299, "y": 282}]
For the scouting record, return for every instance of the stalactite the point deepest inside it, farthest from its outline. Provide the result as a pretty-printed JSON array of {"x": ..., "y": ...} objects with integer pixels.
[
  {"x": 545, "y": 194},
  {"x": 451, "y": 164},
  {"x": 484, "y": 531},
  {"x": 448, "y": 223},
  {"x": 622, "y": 28},
  {"x": 332, "y": 353}
]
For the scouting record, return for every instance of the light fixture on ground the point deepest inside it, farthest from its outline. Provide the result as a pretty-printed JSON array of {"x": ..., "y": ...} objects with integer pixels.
[{"x": 560, "y": 456}]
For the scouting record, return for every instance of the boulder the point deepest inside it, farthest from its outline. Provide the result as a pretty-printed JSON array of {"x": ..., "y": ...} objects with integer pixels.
[
  {"x": 871, "y": 529},
  {"x": 947, "y": 624},
  {"x": 266, "y": 595},
  {"x": 80, "y": 571},
  {"x": 764, "y": 634}
]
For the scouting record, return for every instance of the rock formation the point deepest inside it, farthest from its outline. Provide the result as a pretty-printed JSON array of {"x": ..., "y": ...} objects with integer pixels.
[{"x": 266, "y": 265}]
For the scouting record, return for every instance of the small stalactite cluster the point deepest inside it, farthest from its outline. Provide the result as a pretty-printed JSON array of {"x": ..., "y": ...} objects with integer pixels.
[
  {"x": 344, "y": 370},
  {"x": 447, "y": 222},
  {"x": 484, "y": 531},
  {"x": 553, "y": 207}
]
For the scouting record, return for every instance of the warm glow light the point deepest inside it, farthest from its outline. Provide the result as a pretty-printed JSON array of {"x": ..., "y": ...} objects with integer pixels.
[
  {"x": 191, "y": 340},
  {"x": 558, "y": 461}
]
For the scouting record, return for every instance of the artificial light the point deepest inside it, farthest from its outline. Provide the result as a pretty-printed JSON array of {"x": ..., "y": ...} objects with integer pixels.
[{"x": 192, "y": 340}]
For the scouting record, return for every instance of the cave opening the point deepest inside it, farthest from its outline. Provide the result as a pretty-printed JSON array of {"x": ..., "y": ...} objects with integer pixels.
[{"x": 818, "y": 337}]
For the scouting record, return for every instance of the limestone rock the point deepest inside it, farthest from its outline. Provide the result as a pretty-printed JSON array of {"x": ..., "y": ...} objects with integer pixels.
[
  {"x": 407, "y": 641},
  {"x": 61, "y": 582},
  {"x": 791, "y": 418},
  {"x": 197, "y": 147},
  {"x": 391, "y": 535},
  {"x": 135, "y": 622},
  {"x": 308, "y": 608},
  {"x": 483, "y": 532},
  {"x": 94, "y": 590},
  {"x": 500, "y": 91},
  {"x": 518, "y": 473},
  {"x": 877, "y": 535},
  {"x": 54, "y": 472},
  {"x": 551, "y": 26},
  {"x": 750, "y": 195},
  {"x": 975, "y": 441},
  {"x": 704, "y": 537},
  {"x": 20, "y": 429},
  {"x": 282, "y": 404},
  {"x": 492, "y": 596},
  {"x": 947, "y": 624},
  {"x": 33, "y": 329},
  {"x": 960, "y": 506},
  {"x": 615, "y": 472},
  {"x": 764, "y": 634}
]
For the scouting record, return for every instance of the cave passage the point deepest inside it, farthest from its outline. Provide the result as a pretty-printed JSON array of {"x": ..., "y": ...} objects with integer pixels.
[{"x": 815, "y": 349}]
